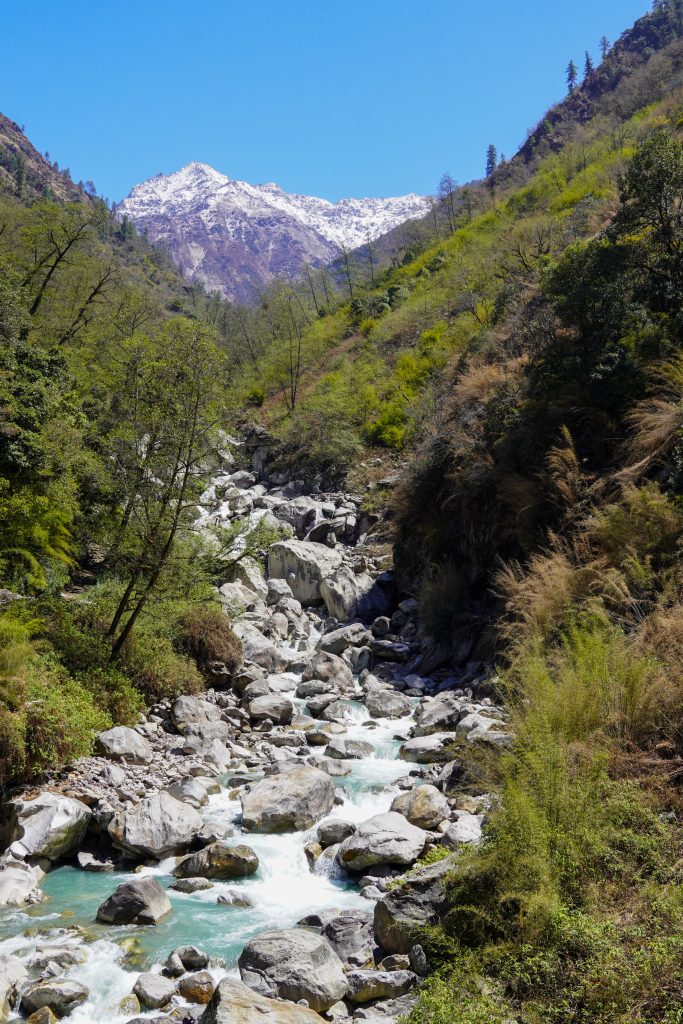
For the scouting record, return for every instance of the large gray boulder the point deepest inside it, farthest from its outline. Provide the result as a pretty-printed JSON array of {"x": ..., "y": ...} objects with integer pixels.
[
  {"x": 273, "y": 706},
  {"x": 234, "y": 1003},
  {"x": 343, "y": 592},
  {"x": 440, "y": 714},
  {"x": 426, "y": 749},
  {"x": 18, "y": 882},
  {"x": 365, "y": 986},
  {"x": 418, "y": 901},
  {"x": 383, "y": 703},
  {"x": 423, "y": 806},
  {"x": 218, "y": 860},
  {"x": 331, "y": 669},
  {"x": 290, "y": 801},
  {"x": 49, "y": 825},
  {"x": 189, "y": 791},
  {"x": 342, "y": 749},
  {"x": 124, "y": 744},
  {"x": 188, "y": 710},
  {"x": 383, "y": 839},
  {"x": 339, "y": 640},
  {"x": 293, "y": 964},
  {"x": 351, "y": 936},
  {"x": 156, "y": 827},
  {"x": 58, "y": 994},
  {"x": 141, "y": 901},
  {"x": 307, "y": 562},
  {"x": 154, "y": 991},
  {"x": 466, "y": 831},
  {"x": 12, "y": 975},
  {"x": 258, "y": 649}
]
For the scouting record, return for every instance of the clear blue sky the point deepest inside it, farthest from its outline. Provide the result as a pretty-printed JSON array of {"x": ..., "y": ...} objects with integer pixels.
[{"x": 362, "y": 98}]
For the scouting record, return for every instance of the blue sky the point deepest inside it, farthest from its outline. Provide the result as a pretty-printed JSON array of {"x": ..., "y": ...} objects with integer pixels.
[{"x": 361, "y": 98}]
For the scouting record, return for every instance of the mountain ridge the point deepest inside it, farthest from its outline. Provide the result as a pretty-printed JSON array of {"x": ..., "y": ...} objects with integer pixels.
[{"x": 235, "y": 237}]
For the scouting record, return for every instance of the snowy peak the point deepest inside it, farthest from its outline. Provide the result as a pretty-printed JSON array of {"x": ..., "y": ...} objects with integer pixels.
[{"x": 234, "y": 236}]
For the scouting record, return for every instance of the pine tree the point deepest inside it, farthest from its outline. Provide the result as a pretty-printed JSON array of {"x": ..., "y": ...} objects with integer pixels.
[
  {"x": 20, "y": 173},
  {"x": 572, "y": 77},
  {"x": 491, "y": 160},
  {"x": 604, "y": 46},
  {"x": 588, "y": 66}
]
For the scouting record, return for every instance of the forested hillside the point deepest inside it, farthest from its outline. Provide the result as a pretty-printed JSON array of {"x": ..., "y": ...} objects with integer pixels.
[{"x": 503, "y": 383}]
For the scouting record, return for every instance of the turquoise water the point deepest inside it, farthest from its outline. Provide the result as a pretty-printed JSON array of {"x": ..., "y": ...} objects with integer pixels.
[{"x": 283, "y": 890}]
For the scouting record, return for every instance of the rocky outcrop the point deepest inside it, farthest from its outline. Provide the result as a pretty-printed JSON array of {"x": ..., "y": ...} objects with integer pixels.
[
  {"x": 304, "y": 565},
  {"x": 294, "y": 800},
  {"x": 418, "y": 901},
  {"x": 49, "y": 825},
  {"x": 294, "y": 964},
  {"x": 233, "y": 1002},
  {"x": 383, "y": 839},
  {"x": 156, "y": 827},
  {"x": 141, "y": 901}
]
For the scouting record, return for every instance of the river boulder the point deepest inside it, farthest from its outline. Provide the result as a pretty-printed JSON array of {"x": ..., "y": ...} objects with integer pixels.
[
  {"x": 365, "y": 986},
  {"x": 157, "y": 826},
  {"x": 383, "y": 703},
  {"x": 293, "y": 964},
  {"x": 331, "y": 669},
  {"x": 273, "y": 706},
  {"x": 57, "y": 994},
  {"x": 154, "y": 991},
  {"x": 290, "y": 801},
  {"x": 419, "y": 900},
  {"x": 304, "y": 564},
  {"x": 18, "y": 882},
  {"x": 219, "y": 860},
  {"x": 440, "y": 714},
  {"x": 141, "y": 901},
  {"x": 234, "y": 1003},
  {"x": 12, "y": 975},
  {"x": 124, "y": 744},
  {"x": 49, "y": 825},
  {"x": 383, "y": 839},
  {"x": 423, "y": 806}
]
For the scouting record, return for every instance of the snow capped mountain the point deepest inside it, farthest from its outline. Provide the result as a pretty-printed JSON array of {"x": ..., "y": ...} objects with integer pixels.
[{"x": 234, "y": 236}]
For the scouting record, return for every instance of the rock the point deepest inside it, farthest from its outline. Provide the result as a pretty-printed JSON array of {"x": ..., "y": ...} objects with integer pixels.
[
  {"x": 219, "y": 860},
  {"x": 173, "y": 967},
  {"x": 451, "y": 777},
  {"x": 293, "y": 964},
  {"x": 197, "y": 988},
  {"x": 234, "y": 899},
  {"x": 189, "y": 791},
  {"x": 42, "y": 1016},
  {"x": 248, "y": 573},
  {"x": 190, "y": 885},
  {"x": 12, "y": 975},
  {"x": 154, "y": 991},
  {"x": 383, "y": 839},
  {"x": 339, "y": 640},
  {"x": 348, "y": 596},
  {"x": 418, "y": 961},
  {"x": 301, "y": 513},
  {"x": 331, "y": 669},
  {"x": 441, "y": 714},
  {"x": 343, "y": 749},
  {"x": 18, "y": 883},
  {"x": 423, "y": 806},
  {"x": 307, "y": 562},
  {"x": 277, "y": 709},
  {"x": 331, "y": 832},
  {"x": 426, "y": 749},
  {"x": 258, "y": 649},
  {"x": 466, "y": 831},
  {"x": 395, "y": 962},
  {"x": 191, "y": 958},
  {"x": 278, "y": 590},
  {"x": 58, "y": 994},
  {"x": 314, "y": 688},
  {"x": 367, "y": 985},
  {"x": 141, "y": 901},
  {"x": 386, "y": 704},
  {"x": 188, "y": 710},
  {"x": 234, "y": 1003},
  {"x": 390, "y": 650},
  {"x": 156, "y": 827},
  {"x": 50, "y": 825},
  {"x": 420, "y": 900},
  {"x": 291, "y": 801},
  {"x": 89, "y": 862},
  {"x": 351, "y": 936},
  {"x": 124, "y": 744}
]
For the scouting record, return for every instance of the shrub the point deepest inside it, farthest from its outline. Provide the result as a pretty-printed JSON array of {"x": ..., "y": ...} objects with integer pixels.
[{"x": 206, "y": 635}]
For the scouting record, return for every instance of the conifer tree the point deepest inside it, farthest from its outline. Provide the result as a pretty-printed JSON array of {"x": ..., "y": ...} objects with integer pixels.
[
  {"x": 572, "y": 77},
  {"x": 604, "y": 46},
  {"x": 588, "y": 66},
  {"x": 491, "y": 160}
]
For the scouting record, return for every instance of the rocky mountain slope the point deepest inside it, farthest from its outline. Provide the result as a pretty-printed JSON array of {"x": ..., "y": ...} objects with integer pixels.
[{"x": 234, "y": 236}]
